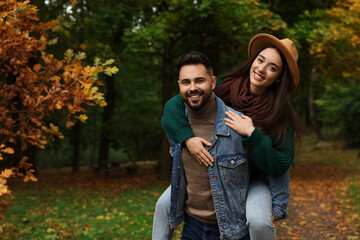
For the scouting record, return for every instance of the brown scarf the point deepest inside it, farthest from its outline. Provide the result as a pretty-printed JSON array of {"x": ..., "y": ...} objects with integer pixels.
[{"x": 236, "y": 94}]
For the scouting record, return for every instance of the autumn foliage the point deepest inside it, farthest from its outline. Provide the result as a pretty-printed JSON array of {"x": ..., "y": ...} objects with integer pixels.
[{"x": 34, "y": 84}]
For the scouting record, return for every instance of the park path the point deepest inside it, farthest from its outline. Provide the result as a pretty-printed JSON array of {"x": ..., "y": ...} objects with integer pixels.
[{"x": 317, "y": 205}]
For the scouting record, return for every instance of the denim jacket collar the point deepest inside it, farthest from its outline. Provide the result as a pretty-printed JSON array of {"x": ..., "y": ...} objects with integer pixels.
[{"x": 220, "y": 126}]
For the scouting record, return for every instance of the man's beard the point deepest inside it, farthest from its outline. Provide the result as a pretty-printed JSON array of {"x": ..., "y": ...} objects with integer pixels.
[{"x": 197, "y": 106}]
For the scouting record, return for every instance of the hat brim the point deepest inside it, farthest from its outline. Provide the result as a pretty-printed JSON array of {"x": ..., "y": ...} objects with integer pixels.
[{"x": 261, "y": 40}]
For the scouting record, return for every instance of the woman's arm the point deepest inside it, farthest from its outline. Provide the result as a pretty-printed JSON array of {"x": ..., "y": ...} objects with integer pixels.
[
  {"x": 274, "y": 161},
  {"x": 174, "y": 120}
]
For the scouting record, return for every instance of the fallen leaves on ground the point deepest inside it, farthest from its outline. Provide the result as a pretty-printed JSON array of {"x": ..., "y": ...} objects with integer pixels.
[
  {"x": 317, "y": 205},
  {"x": 318, "y": 208}
]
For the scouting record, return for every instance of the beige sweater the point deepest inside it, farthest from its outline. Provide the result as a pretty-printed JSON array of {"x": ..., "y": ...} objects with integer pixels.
[{"x": 199, "y": 204}]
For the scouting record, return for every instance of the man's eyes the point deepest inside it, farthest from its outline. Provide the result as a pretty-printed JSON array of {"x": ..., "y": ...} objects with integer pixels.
[{"x": 186, "y": 82}]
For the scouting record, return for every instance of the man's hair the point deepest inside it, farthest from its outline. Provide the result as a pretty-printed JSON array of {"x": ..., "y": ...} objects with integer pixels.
[{"x": 195, "y": 58}]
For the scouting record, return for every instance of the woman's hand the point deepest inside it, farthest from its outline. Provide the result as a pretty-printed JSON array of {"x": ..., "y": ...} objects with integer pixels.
[
  {"x": 241, "y": 124},
  {"x": 195, "y": 145}
]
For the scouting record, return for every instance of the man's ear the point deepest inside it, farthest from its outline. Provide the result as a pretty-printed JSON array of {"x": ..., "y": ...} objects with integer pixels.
[{"x": 213, "y": 82}]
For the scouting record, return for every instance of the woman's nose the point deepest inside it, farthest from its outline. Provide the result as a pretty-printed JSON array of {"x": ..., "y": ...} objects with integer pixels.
[{"x": 261, "y": 68}]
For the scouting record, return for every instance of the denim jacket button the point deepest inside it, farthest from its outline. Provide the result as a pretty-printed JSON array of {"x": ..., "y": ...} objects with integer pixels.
[{"x": 232, "y": 161}]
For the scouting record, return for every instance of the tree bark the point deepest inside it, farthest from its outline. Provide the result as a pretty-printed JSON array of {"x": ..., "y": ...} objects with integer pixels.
[
  {"x": 76, "y": 130},
  {"x": 311, "y": 99},
  {"x": 107, "y": 115},
  {"x": 165, "y": 163},
  {"x": 75, "y": 141}
]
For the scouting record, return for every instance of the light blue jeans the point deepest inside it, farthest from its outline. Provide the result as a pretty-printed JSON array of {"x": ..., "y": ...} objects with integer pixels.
[
  {"x": 161, "y": 225},
  {"x": 259, "y": 210},
  {"x": 258, "y": 213}
]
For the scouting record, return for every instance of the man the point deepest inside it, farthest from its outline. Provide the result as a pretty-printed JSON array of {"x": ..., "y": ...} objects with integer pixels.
[{"x": 210, "y": 200}]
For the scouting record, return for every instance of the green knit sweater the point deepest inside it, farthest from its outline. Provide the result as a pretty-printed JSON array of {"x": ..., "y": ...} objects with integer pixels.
[{"x": 273, "y": 159}]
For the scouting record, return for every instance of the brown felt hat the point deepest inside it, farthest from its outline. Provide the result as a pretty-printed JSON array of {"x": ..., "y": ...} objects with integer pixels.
[{"x": 286, "y": 46}]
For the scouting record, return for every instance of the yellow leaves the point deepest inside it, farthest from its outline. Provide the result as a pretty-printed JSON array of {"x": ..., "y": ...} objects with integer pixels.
[
  {"x": 4, "y": 189},
  {"x": 53, "y": 130},
  {"x": 109, "y": 62},
  {"x": 58, "y": 105},
  {"x": 346, "y": 74},
  {"x": 6, "y": 173},
  {"x": 69, "y": 54},
  {"x": 82, "y": 117},
  {"x": 93, "y": 94},
  {"x": 80, "y": 55},
  {"x": 111, "y": 70},
  {"x": 52, "y": 41}
]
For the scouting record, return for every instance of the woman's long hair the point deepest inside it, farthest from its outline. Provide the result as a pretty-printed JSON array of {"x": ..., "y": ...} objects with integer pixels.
[{"x": 274, "y": 124}]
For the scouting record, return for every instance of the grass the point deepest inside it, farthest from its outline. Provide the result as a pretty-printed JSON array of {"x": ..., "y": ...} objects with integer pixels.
[{"x": 81, "y": 214}]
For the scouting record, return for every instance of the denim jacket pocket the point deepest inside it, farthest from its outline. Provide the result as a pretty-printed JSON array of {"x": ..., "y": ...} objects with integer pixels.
[{"x": 231, "y": 168}]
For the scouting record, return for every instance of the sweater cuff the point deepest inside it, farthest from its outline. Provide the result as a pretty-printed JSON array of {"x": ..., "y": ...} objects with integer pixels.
[
  {"x": 183, "y": 134},
  {"x": 253, "y": 138},
  {"x": 278, "y": 214}
]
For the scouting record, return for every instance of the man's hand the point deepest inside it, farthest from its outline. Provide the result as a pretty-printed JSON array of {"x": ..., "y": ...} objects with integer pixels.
[{"x": 195, "y": 145}]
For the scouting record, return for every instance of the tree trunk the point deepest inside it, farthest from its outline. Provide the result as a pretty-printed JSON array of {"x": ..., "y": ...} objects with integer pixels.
[
  {"x": 75, "y": 141},
  {"x": 107, "y": 115},
  {"x": 165, "y": 163},
  {"x": 311, "y": 99},
  {"x": 30, "y": 152},
  {"x": 75, "y": 132}
]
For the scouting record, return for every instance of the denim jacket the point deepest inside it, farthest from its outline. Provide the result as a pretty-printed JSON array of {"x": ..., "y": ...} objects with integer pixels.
[{"x": 229, "y": 179}]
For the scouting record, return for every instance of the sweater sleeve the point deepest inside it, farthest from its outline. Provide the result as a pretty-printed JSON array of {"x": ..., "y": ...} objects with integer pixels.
[
  {"x": 274, "y": 161},
  {"x": 174, "y": 120}
]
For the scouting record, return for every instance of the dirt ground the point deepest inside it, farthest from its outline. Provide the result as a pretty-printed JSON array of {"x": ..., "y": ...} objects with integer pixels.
[{"x": 317, "y": 208}]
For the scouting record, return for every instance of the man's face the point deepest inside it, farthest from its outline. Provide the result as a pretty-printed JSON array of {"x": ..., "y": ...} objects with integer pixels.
[{"x": 195, "y": 85}]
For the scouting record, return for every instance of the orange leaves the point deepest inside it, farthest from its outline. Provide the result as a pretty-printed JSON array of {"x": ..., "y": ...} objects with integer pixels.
[
  {"x": 6, "y": 173},
  {"x": 4, "y": 189},
  {"x": 33, "y": 92},
  {"x": 37, "y": 84},
  {"x": 6, "y": 150}
]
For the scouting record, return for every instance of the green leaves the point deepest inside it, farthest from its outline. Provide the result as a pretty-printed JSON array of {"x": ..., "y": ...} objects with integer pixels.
[{"x": 331, "y": 38}]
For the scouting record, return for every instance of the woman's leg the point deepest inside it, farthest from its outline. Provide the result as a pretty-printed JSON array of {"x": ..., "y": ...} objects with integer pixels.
[
  {"x": 259, "y": 211},
  {"x": 161, "y": 226}
]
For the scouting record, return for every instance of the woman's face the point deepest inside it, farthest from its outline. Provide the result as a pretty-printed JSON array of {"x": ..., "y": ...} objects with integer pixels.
[{"x": 265, "y": 70}]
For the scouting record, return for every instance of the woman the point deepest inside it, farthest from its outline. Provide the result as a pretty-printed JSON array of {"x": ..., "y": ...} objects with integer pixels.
[{"x": 259, "y": 89}]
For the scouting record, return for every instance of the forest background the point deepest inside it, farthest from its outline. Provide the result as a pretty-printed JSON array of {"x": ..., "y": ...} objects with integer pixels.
[{"x": 102, "y": 102}]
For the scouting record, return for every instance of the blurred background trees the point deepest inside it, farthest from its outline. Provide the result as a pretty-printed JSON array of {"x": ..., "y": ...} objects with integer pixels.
[{"x": 146, "y": 39}]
